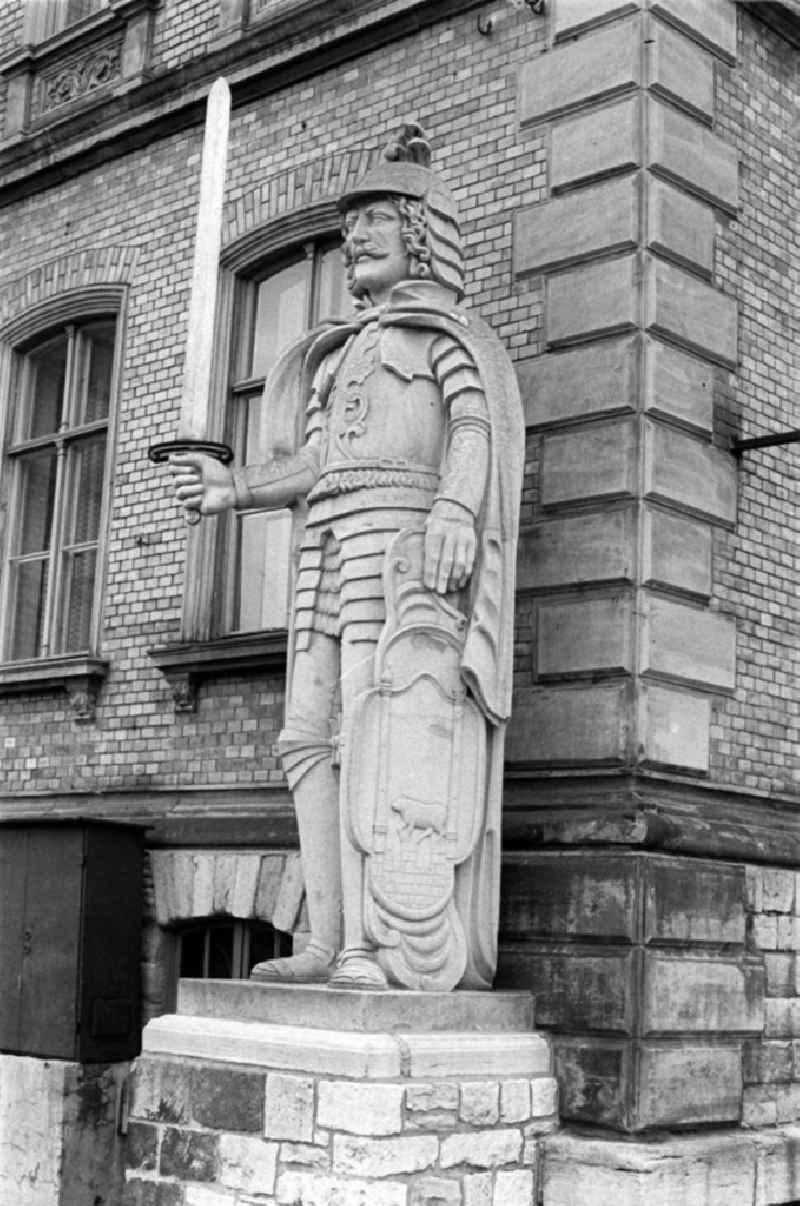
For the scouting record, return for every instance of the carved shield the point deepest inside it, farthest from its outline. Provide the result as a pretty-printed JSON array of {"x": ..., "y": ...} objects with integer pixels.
[{"x": 415, "y": 767}]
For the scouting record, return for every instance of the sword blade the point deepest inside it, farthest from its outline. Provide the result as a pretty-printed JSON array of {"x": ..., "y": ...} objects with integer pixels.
[{"x": 193, "y": 421}]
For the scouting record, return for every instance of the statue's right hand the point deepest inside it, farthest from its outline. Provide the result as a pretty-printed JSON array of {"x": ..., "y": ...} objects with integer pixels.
[{"x": 202, "y": 483}]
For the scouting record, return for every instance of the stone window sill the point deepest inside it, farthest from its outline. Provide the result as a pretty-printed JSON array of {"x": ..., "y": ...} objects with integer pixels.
[
  {"x": 80, "y": 675},
  {"x": 186, "y": 664}
]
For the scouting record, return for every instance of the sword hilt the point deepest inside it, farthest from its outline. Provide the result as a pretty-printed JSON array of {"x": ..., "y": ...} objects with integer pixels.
[{"x": 159, "y": 453}]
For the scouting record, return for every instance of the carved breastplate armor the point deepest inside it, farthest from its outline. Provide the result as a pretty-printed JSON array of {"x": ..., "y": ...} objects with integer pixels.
[{"x": 385, "y": 406}]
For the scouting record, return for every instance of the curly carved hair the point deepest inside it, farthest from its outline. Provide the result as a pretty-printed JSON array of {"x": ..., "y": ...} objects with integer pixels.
[{"x": 422, "y": 238}]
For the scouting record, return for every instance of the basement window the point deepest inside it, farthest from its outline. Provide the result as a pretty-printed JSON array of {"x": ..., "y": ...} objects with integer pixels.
[{"x": 226, "y": 948}]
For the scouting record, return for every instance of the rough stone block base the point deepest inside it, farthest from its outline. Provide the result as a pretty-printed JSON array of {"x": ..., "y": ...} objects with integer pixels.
[
  {"x": 714, "y": 1169},
  {"x": 225, "y": 1112}
]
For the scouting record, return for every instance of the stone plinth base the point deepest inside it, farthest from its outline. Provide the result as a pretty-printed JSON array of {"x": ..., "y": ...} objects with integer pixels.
[
  {"x": 370, "y": 1109},
  {"x": 712, "y": 1169}
]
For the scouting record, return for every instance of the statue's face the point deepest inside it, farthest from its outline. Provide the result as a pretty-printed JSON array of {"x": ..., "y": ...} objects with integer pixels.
[{"x": 375, "y": 246}]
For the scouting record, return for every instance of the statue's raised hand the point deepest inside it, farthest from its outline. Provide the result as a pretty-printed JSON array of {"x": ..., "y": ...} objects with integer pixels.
[
  {"x": 449, "y": 546},
  {"x": 202, "y": 483}
]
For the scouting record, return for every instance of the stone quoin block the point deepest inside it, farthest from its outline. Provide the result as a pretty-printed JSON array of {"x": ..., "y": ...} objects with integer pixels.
[
  {"x": 579, "y": 226},
  {"x": 594, "y": 1077},
  {"x": 593, "y": 300},
  {"x": 571, "y": 17},
  {"x": 227, "y": 1099},
  {"x": 691, "y": 312},
  {"x": 577, "y": 988},
  {"x": 686, "y": 152},
  {"x": 189, "y": 1155},
  {"x": 680, "y": 227},
  {"x": 681, "y": 71},
  {"x": 676, "y": 552},
  {"x": 711, "y": 22},
  {"x": 363, "y": 1157},
  {"x": 289, "y": 1107},
  {"x": 674, "y": 728},
  {"x": 584, "y": 636},
  {"x": 247, "y": 1163},
  {"x": 690, "y": 474},
  {"x": 687, "y": 643},
  {"x": 690, "y": 1083},
  {"x": 588, "y": 70},
  {"x": 580, "y": 382},
  {"x": 678, "y": 385},
  {"x": 595, "y": 144},
  {"x": 568, "y": 725},
  {"x": 592, "y": 462},
  {"x": 482, "y": 1149},
  {"x": 687, "y": 992},
  {"x": 364, "y": 1109},
  {"x": 566, "y": 895},
  {"x": 569, "y": 550}
]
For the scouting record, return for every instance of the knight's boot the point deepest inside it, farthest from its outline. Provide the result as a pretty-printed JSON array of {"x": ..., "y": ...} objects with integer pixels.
[
  {"x": 357, "y": 965},
  {"x": 307, "y": 762}
]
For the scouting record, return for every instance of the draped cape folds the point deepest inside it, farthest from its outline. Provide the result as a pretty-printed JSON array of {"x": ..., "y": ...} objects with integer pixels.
[{"x": 488, "y": 653}]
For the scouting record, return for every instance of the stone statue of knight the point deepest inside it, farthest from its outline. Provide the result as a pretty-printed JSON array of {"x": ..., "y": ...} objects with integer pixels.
[{"x": 410, "y": 462}]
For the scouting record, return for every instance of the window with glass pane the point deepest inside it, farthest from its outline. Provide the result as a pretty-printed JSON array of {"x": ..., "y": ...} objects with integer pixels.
[
  {"x": 274, "y": 309},
  {"x": 57, "y": 459}
]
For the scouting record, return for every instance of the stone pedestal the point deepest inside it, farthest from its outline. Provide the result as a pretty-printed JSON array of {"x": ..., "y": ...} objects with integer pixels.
[{"x": 259, "y": 1094}]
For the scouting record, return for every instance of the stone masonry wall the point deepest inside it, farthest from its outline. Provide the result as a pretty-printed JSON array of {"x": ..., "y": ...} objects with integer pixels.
[
  {"x": 204, "y": 1136},
  {"x": 463, "y": 87}
]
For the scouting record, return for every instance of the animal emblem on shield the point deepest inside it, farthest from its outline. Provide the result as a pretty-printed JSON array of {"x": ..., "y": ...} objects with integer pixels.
[{"x": 414, "y": 768}]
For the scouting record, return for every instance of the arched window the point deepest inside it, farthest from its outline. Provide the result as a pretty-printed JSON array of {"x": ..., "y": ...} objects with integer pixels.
[
  {"x": 62, "y": 393},
  {"x": 274, "y": 305}
]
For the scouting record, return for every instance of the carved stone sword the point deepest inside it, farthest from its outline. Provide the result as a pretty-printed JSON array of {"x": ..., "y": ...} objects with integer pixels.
[{"x": 193, "y": 420}]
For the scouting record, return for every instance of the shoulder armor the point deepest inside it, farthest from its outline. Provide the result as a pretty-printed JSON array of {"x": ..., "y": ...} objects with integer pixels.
[{"x": 406, "y": 352}]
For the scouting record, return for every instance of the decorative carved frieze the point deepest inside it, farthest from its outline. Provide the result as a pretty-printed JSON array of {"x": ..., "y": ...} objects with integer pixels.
[{"x": 65, "y": 83}]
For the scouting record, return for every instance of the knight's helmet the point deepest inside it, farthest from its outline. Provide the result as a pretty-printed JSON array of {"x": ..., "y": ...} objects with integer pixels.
[{"x": 405, "y": 171}]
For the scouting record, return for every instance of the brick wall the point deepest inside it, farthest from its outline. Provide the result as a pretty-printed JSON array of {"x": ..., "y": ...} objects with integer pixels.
[{"x": 755, "y": 739}]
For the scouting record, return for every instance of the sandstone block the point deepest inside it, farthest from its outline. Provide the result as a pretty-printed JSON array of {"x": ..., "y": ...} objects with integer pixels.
[
  {"x": 247, "y": 1163},
  {"x": 779, "y": 968},
  {"x": 544, "y": 1100},
  {"x": 189, "y": 1155},
  {"x": 595, "y": 144},
  {"x": 595, "y": 1079},
  {"x": 312, "y": 1190},
  {"x": 688, "y": 993},
  {"x": 681, "y": 71},
  {"x": 568, "y": 550},
  {"x": 593, "y": 462},
  {"x": 568, "y": 726},
  {"x": 480, "y": 1102},
  {"x": 682, "y": 150},
  {"x": 579, "y": 226},
  {"x": 141, "y": 1146},
  {"x": 514, "y": 1189},
  {"x": 227, "y": 1099},
  {"x": 289, "y": 1112},
  {"x": 778, "y": 1168},
  {"x": 681, "y": 228},
  {"x": 363, "y": 1109},
  {"x": 690, "y": 1084},
  {"x": 778, "y": 889},
  {"x": 436, "y": 1191},
  {"x": 573, "y": 16},
  {"x": 674, "y": 727},
  {"x": 581, "y": 989},
  {"x": 138, "y": 1192},
  {"x": 201, "y": 1195},
  {"x": 312, "y": 1155},
  {"x": 569, "y": 895},
  {"x": 245, "y": 884},
  {"x": 692, "y": 900},
  {"x": 764, "y": 931},
  {"x": 434, "y": 1055},
  {"x": 515, "y": 1100},
  {"x": 597, "y": 66},
  {"x": 477, "y": 1189},
  {"x": 759, "y": 1106},
  {"x": 679, "y": 386},
  {"x": 269, "y": 882},
  {"x": 161, "y": 1091},
  {"x": 593, "y": 380},
  {"x": 787, "y": 1102},
  {"x": 437, "y": 1095},
  {"x": 364, "y": 1157},
  {"x": 290, "y": 895},
  {"x": 677, "y": 552},
  {"x": 767, "y": 1061},
  {"x": 687, "y": 643},
  {"x": 592, "y": 300},
  {"x": 711, "y": 22},
  {"x": 693, "y": 475},
  {"x": 692, "y": 312},
  {"x": 586, "y": 636},
  {"x": 482, "y": 1149}
]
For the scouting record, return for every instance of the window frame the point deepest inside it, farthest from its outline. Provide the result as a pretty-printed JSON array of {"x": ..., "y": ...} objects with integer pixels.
[
  {"x": 200, "y": 630},
  {"x": 79, "y": 672},
  {"x": 48, "y": 18}
]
